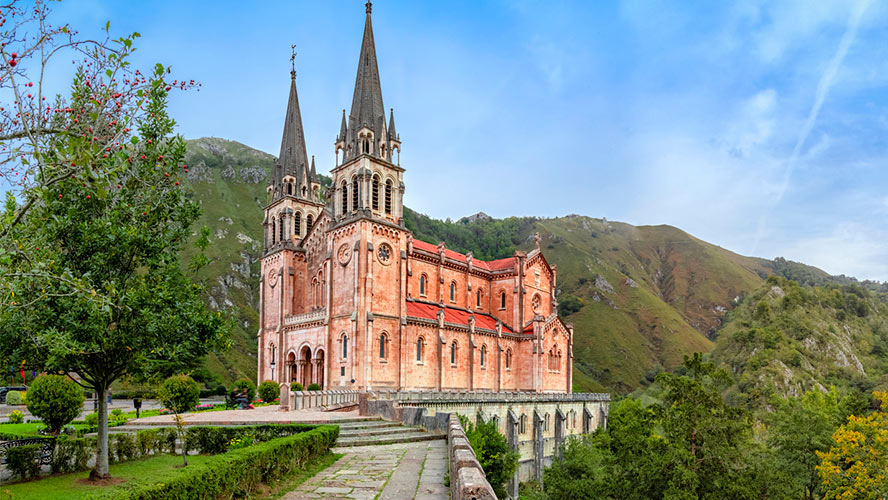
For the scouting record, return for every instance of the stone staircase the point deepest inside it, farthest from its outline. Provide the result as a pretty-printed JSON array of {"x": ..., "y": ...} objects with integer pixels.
[{"x": 378, "y": 432}]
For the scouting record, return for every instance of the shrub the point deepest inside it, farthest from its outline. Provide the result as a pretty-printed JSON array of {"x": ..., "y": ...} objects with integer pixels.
[
  {"x": 498, "y": 460},
  {"x": 91, "y": 419},
  {"x": 240, "y": 472},
  {"x": 56, "y": 400},
  {"x": 147, "y": 442},
  {"x": 269, "y": 390},
  {"x": 297, "y": 387},
  {"x": 16, "y": 417},
  {"x": 72, "y": 454},
  {"x": 179, "y": 393},
  {"x": 314, "y": 387},
  {"x": 24, "y": 461},
  {"x": 244, "y": 383},
  {"x": 123, "y": 446},
  {"x": 14, "y": 398},
  {"x": 213, "y": 440}
]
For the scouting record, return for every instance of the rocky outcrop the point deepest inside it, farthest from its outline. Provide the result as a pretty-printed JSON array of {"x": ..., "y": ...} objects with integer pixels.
[{"x": 252, "y": 175}]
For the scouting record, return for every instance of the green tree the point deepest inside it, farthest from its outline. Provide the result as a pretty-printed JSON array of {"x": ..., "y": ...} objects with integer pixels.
[
  {"x": 180, "y": 393},
  {"x": 583, "y": 472},
  {"x": 56, "y": 400},
  {"x": 496, "y": 457},
  {"x": 89, "y": 247},
  {"x": 799, "y": 428}
]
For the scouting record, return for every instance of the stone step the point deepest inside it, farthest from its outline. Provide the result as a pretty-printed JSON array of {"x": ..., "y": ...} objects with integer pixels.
[
  {"x": 379, "y": 424},
  {"x": 383, "y": 431},
  {"x": 410, "y": 437}
]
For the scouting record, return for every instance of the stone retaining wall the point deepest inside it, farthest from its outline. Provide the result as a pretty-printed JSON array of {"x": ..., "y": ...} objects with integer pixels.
[
  {"x": 327, "y": 400},
  {"x": 467, "y": 480}
]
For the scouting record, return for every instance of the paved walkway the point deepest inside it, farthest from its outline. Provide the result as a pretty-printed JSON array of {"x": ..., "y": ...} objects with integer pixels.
[
  {"x": 258, "y": 415},
  {"x": 393, "y": 472}
]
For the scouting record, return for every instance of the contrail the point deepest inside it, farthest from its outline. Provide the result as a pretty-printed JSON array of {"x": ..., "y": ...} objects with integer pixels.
[{"x": 823, "y": 86}]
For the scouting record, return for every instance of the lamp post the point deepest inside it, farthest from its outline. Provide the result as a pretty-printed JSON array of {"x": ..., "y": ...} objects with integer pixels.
[{"x": 272, "y": 371}]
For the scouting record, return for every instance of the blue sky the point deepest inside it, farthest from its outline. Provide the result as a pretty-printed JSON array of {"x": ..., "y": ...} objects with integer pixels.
[{"x": 759, "y": 126}]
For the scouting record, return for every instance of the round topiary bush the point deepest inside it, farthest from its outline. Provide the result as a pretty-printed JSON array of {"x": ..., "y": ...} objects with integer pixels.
[
  {"x": 314, "y": 387},
  {"x": 244, "y": 383},
  {"x": 269, "y": 391},
  {"x": 56, "y": 400},
  {"x": 14, "y": 398},
  {"x": 297, "y": 387},
  {"x": 91, "y": 419},
  {"x": 179, "y": 393},
  {"x": 16, "y": 417}
]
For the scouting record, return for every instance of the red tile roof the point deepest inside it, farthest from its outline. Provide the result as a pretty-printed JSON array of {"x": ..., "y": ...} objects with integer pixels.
[
  {"x": 494, "y": 265},
  {"x": 451, "y": 315}
]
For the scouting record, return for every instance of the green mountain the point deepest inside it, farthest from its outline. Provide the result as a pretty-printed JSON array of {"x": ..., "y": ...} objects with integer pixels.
[
  {"x": 640, "y": 297},
  {"x": 787, "y": 339}
]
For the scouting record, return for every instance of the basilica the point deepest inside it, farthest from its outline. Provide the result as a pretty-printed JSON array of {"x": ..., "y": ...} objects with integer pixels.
[{"x": 349, "y": 299}]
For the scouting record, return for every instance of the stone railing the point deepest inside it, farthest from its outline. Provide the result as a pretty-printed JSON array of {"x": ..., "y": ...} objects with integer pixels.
[
  {"x": 446, "y": 397},
  {"x": 467, "y": 479},
  {"x": 309, "y": 317},
  {"x": 325, "y": 400}
]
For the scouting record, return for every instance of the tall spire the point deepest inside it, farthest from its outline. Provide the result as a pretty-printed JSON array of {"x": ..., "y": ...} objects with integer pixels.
[
  {"x": 293, "y": 158},
  {"x": 367, "y": 108}
]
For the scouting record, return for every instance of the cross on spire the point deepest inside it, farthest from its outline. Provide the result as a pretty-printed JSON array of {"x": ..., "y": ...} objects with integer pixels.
[{"x": 293, "y": 61}]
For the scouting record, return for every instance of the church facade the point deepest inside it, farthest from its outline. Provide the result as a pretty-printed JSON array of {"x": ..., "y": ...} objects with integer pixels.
[{"x": 349, "y": 299}]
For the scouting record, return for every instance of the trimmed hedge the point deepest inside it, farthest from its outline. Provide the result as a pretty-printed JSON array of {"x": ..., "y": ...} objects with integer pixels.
[
  {"x": 24, "y": 461},
  {"x": 239, "y": 472},
  {"x": 213, "y": 440}
]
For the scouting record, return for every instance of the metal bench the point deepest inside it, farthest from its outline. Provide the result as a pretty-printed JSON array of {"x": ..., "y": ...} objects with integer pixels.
[{"x": 45, "y": 454}]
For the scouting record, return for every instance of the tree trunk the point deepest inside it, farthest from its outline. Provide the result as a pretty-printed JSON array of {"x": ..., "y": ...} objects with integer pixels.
[{"x": 100, "y": 471}]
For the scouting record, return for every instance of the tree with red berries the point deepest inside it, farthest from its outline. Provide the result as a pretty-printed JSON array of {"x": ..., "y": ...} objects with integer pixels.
[{"x": 90, "y": 276}]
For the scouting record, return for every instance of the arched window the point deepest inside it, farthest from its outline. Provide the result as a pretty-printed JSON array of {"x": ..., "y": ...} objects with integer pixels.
[
  {"x": 289, "y": 187},
  {"x": 508, "y": 359},
  {"x": 522, "y": 424},
  {"x": 308, "y": 223},
  {"x": 375, "y": 192},
  {"x": 283, "y": 229},
  {"x": 453, "y": 354},
  {"x": 502, "y": 300},
  {"x": 422, "y": 285},
  {"x": 483, "y": 355},
  {"x": 344, "y": 197},
  {"x": 297, "y": 224},
  {"x": 366, "y": 146},
  {"x": 478, "y": 299},
  {"x": 273, "y": 230},
  {"x": 304, "y": 191},
  {"x": 354, "y": 193},
  {"x": 419, "y": 349},
  {"x": 388, "y": 197},
  {"x": 344, "y": 346},
  {"x": 453, "y": 291},
  {"x": 558, "y": 362},
  {"x": 382, "y": 341},
  {"x": 382, "y": 150}
]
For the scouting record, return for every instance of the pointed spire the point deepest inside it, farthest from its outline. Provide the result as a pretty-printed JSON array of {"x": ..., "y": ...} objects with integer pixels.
[
  {"x": 367, "y": 107},
  {"x": 293, "y": 158},
  {"x": 313, "y": 175},
  {"x": 392, "y": 135},
  {"x": 343, "y": 129}
]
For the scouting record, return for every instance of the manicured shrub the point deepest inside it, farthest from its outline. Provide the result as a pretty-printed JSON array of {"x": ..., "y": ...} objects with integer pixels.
[
  {"x": 179, "y": 393},
  {"x": 240, "y": 473},
  {"x": 16, "y": 417},
  {"x": 56, "y": 400},
  {"x": 314, "y": 387},
  {"x": 297, "y": 387},
  {"x": 244, "y": 383},
  {"x": 91, "y": 419},
  {"x": 269, "y": 390},
  {"x": 496, "y": 457},
  {"x": 72, "y": 454},
  {"x": 24, "y": 461},
  {"x": 14, "y": 398},
  {"x": 123, "y": 447},
  {"x": 147, "y": 442}
]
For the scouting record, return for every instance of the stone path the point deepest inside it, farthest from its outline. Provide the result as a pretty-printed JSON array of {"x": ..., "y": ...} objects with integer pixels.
[{"x": 393, "y": 472}]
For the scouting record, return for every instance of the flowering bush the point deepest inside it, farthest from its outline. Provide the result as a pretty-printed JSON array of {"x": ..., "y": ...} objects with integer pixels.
[
  {"x": 241, "y": 442},
  {"x": 16, "y": 417},
  {"x": 268, "y": 390},
  {"x": 204, "y": 407}
]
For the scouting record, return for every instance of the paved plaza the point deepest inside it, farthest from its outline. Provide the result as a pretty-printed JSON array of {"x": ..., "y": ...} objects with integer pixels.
[{"x": 393, "y": 472}]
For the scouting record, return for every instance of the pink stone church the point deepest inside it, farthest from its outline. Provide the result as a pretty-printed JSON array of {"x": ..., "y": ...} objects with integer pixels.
[{"x": 349, "y": 299}]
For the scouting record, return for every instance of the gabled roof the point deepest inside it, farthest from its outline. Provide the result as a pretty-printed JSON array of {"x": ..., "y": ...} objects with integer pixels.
[{"x": 493, "y": 265}]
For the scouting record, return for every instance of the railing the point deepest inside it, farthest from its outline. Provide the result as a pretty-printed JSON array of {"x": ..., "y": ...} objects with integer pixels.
[
  {"x": 332, "y": 399},
  {"x": 309, "y": 317},
  {"x": 475, "y": 396},
  {"x": 45, "y": 453},
  {"x": 467, "y": 479}
]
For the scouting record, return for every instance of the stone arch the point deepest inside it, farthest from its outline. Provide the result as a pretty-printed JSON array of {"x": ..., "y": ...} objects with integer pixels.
[
  {"x": 291, "y": 365},
  {"x": 320, "y": 361},
  {"x": 305, "y": 367}
]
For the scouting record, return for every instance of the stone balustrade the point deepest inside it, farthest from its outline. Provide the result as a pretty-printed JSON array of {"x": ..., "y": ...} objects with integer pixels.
[
  {"x": 326, "y": 400},
  {"x": 309, "y": 317},
  {"x": 467, "y": 479},
  {"x": 467, "y": 397}
]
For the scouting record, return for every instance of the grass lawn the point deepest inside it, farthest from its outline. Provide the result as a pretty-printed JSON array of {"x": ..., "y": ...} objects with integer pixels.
[
  {"x": 29, "y": 428},
  {"x": 63, "y": 487}
]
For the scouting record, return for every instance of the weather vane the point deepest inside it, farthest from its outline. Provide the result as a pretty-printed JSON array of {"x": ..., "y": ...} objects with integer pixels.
[{"x": 293, "y": 60}]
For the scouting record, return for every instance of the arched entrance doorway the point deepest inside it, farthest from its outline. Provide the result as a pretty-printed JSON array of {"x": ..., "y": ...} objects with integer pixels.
[
  {"x": 319, "y": 367},
  {"x": 305, "y": 364}
]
